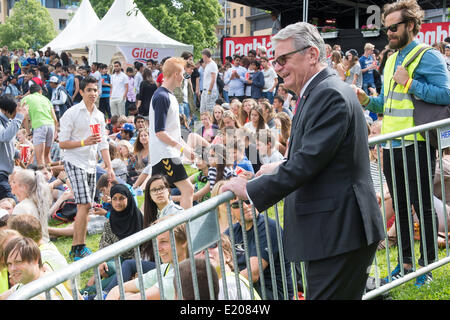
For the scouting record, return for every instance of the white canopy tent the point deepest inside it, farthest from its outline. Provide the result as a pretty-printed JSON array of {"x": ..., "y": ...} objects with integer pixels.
[
  {"x": 125, "y": 29},
  {"x": 84, "y": 19}
]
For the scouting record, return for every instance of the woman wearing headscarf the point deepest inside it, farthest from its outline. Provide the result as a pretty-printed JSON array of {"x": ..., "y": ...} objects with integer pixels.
[{"x": 125, "y": 220}]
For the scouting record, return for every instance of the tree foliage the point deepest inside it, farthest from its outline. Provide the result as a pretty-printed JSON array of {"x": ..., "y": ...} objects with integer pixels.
[
  {"x": 188, "y": 21},
  {"x": 29, "y": 26}
]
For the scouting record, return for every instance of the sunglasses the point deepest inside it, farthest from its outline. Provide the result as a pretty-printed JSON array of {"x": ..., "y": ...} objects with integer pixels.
[
  {"x": 393, "y": 27},
  {"x": 281, "y": 60},
  {"x": 235, "y": 205}
]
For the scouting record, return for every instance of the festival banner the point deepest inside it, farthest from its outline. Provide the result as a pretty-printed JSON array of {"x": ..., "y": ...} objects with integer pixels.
[
  {"x": 431, "y": 33},
  {"x": 144, "y": 54},
  {"x": 242, "y": 45}
]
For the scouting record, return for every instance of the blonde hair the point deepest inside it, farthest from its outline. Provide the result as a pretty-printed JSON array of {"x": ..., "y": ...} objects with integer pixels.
[
  {"x": 369, "y": 46},
  {"x": 126, "y": 144},
  {"x": 38, "y": 191},
  {"x": 173, "y": 65}
]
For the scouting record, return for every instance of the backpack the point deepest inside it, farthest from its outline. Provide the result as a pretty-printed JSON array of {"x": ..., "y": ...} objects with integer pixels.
[
  {"x": 66, "y": 211},
  {"x": 69, "y": 101}
]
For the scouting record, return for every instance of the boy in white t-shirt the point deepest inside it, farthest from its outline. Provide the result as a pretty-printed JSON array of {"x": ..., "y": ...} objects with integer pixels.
[{"x": 268, "y": 152}]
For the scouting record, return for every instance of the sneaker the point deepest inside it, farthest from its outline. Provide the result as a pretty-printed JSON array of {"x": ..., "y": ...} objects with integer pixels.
[
  {"x": 82, "y": 253},
  {"x": 424, "y": 279},
  {"x": 396, "y": 273}
]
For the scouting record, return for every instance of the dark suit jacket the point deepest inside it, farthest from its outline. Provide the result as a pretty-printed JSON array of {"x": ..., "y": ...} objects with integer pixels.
[{"x": 330, "y": 205}]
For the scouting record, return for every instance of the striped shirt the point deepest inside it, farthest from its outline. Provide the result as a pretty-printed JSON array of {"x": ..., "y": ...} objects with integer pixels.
[
  {"x": 106, "y": 91},
  {"x": 376, "y": 177},
  {"x": 228, "y": 173}
]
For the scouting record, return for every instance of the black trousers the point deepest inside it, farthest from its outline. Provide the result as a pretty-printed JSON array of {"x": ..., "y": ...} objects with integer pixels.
[
  {"x": 342, "y": 277},
  {"x": 414, "y": 196}
]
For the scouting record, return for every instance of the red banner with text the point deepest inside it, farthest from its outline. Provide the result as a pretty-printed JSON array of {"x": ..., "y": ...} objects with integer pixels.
[{"x": 430, "y": 33}]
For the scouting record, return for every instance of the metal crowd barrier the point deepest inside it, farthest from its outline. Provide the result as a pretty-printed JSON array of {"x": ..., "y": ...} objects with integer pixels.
[{"x": 202, "y": 226}]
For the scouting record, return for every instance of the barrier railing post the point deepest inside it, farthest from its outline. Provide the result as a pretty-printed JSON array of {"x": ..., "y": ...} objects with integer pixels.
[
  {"x": 444, "y": 200},
  {"x": 233, "y": 253},
  {"x": 408, "y": 205},
  {"x": 431, "y": 182},
  {"x": 137, "y": 258},
  {"x": 262, "y": 280}
]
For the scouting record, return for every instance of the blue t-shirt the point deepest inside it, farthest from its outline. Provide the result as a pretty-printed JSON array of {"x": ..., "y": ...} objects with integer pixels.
[
  {"x": 365, "y": 62},
  {"x": 70, "y": 84},
  {"x": 264, "y": 250},
  {"x": 244, "y": 164}
]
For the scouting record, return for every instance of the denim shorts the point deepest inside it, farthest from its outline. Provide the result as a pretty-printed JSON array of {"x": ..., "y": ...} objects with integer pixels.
[{"x": 44, "y": 134}]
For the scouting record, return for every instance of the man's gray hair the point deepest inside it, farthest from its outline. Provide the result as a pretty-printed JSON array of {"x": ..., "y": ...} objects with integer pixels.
[{"x": 303, "y": 34}]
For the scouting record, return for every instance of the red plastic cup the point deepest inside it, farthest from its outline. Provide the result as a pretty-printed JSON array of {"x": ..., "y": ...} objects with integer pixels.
[
  {"x": 95, "y": 128},
  {"x": 24, "y": 149},
  {"x": 239, "y": 170}
]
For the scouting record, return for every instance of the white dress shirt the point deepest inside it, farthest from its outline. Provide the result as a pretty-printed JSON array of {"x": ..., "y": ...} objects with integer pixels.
[{"x": 75, "y": 126}]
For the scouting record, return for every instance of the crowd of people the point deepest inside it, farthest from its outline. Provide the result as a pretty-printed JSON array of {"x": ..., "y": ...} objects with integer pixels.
[{"x": 86, "y": 140}]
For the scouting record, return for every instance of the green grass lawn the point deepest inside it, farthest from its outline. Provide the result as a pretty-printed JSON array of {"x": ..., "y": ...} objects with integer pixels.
[{"x": 438, "y": 289}]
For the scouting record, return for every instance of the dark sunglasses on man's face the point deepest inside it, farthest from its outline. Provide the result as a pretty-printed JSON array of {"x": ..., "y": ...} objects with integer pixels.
[
  {"x": 235, "y": 205},
  {"x": 392, "y": 27}
]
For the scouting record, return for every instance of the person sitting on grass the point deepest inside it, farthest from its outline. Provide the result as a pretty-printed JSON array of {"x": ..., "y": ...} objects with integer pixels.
[
  {"x": 230, "y": 279},
  {"x": 187, "y": 287},
  {"x": 6, "y": 235},
  {"x": 150, "y": 279},
  {"x": 125, "y": 220},
  {"x": 24, "y": 262},
  {"x": 33, "y": 193}
]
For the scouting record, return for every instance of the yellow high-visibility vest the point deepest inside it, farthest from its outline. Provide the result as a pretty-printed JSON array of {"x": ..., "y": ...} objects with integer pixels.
[{"x": 398, "y": 109}]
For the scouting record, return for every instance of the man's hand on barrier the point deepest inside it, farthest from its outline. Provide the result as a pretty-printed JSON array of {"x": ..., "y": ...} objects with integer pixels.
[{"x": 238, "y": 186}]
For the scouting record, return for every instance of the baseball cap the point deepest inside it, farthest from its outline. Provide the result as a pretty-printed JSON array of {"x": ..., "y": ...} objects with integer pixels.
[
  {"x": 353, "y": 52},
  {"x": 54, "y": 79},
  {"x": 128, "y": 127}
]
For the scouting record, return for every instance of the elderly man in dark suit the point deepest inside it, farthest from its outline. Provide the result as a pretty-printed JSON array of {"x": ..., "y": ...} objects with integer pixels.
[{"x": 332, "y": 221}]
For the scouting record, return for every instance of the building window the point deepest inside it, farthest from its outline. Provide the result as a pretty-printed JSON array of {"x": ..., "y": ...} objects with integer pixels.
[
  {"x": 234, "y": 30},
  {"x": 234, "y": 13},
  {"x": 228, "y": 31},
  {"x": 242, "y": 28},
  {"x": 242, "y": 11},
  {"x": 62, "y": 24}
]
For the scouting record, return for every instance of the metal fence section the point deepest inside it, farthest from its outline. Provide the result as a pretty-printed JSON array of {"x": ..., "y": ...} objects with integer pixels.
[
  {"x": 385, "y": 143},
  {"x": 258, "y": 250}
]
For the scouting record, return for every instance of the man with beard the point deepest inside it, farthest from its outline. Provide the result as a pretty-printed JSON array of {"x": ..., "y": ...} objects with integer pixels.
[{"x": 430, "y": 82}]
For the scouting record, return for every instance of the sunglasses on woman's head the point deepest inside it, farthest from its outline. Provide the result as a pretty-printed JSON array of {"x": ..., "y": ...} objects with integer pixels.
[
  {"x": 235, "y": 205},
  {"x": 393, "y": 27}
]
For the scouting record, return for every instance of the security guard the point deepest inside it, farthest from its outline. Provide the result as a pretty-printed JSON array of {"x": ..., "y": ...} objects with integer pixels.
[{"x": 427, "y": 79}]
